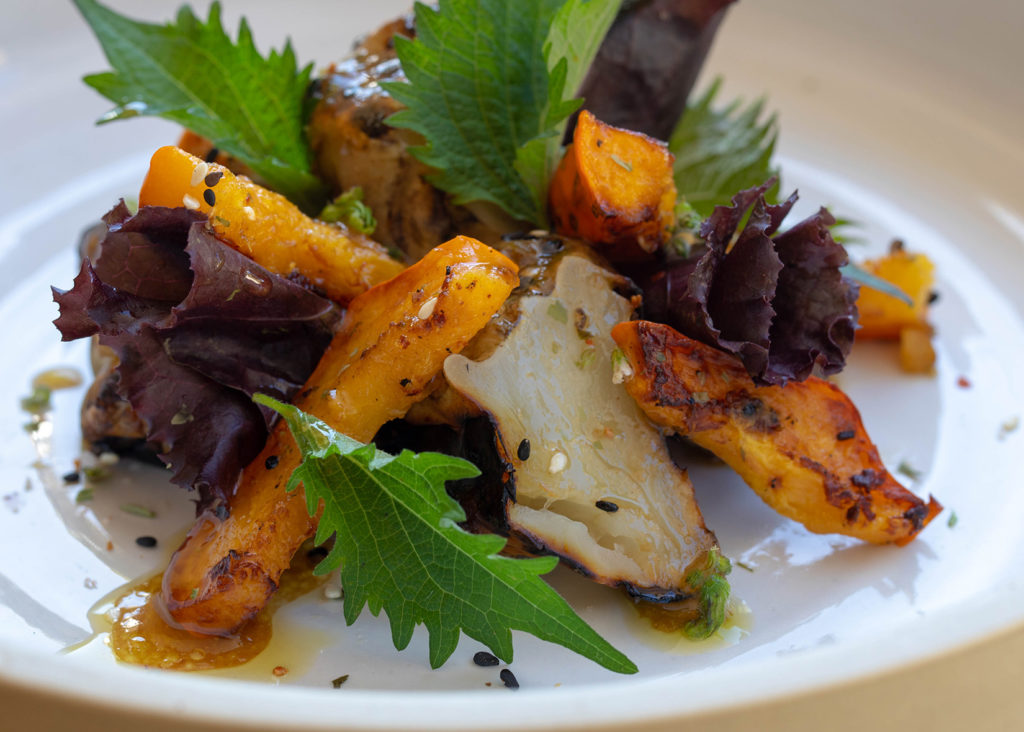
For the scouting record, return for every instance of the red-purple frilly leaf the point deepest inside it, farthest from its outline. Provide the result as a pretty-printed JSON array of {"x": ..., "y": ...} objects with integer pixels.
[
  {"x": 198, "y": 328},
  {"x": 776, "y": 301}
]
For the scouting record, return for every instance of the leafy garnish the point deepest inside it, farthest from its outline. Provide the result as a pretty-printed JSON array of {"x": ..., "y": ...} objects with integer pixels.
[
  {"x": 708, "y": 580},
  {"x": 779, "y": 302},
  {"x": 349, "y": 209},
  {"x": 194, "y": 338},
  {"x": 490, "y": 87},
  {"x": 722, "y": 150},
  {"x": 399, "y": 547},
  {"x": 192, "y": 73},
  {"x": 863, "y": 277}
]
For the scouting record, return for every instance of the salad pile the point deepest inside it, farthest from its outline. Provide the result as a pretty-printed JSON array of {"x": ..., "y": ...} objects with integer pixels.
[{"x": 427, "y": 312}]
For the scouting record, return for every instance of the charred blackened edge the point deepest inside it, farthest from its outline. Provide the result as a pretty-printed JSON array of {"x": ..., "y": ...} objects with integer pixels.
[
  {"x": 656, "y": 595},
  {"x": 483, "y": 497}
]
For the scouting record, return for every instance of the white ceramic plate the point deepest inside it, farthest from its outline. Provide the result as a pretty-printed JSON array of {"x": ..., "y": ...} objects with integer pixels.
[{"x": 902, "y": 120}]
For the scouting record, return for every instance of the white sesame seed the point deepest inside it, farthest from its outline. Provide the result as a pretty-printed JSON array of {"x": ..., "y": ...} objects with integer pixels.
[
  {"x": 427, "y": 309},
  {"x": 108, "y": 458},
  {"x": 249, "y": 213},
  {"x": 539, "y": 233},
  {"x": 198, "y": 174},
  {"x": 558, "y": 463},
  {"x": 189, "y": 202}
]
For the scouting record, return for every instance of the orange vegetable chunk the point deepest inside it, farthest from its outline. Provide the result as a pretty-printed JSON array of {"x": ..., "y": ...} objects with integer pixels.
[
  {"x": 884, "y": 316},
  {"x": 614, "y": 187},
  {"x": 266, "y": 226},
  {"x": 802, "y": 447},
  {"x": 392, "y": 343}
]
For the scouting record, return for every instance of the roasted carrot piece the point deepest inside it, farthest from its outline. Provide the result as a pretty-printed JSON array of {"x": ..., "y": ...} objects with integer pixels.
[
  {"x": 203, "y": 149},
  {"x": 393, "y": 341},
  {"x": 614, "y": 187},
  {"x": 883, "y": 316},
  {"x": 802, "y": 447},
  {"x": 266, "y": 226}
]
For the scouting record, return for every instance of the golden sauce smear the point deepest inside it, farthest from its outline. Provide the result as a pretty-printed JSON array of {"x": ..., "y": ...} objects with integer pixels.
[
  {"x": 140, "y": 635},
  {"x": 662, "y": 627}
]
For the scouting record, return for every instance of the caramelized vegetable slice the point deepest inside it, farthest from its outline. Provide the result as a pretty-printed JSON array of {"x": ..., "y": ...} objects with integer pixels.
[
  {"x": 614, "y": 187},
  {"x": 266, "y": 227},
  {"x": 881, "y": 315},
  {"x": 594, "y": 483},
  {"x": 801, "y": 447},
  {"x": 393, "y": 341}
]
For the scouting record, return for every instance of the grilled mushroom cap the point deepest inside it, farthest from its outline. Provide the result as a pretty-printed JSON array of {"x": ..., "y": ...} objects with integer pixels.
[{"x": 597, "y": 486}]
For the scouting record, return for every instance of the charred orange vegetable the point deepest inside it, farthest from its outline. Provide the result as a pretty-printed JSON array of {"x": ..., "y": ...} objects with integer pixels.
[
  {"x": 614, "y": 187},
  {"x": 266, "y": 227},
  {"x": 393, "y": 341},
  {"x": 203, "y": 149},
  {"x": 801, "y": 447},
  {"x": 884, "y": 316}
]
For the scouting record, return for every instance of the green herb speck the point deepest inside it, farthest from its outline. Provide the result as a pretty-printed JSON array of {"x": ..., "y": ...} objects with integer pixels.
[
  {"x": 37, "y": 402},
  {"x": 953, "y": 520},
  {"x": 557, "y": 311},
  {"x": 622, "y": 163},
  {"x": 136, "y": 510},
  {"x": 586, "y": 358},
  {"x": 905, "y": 468}
]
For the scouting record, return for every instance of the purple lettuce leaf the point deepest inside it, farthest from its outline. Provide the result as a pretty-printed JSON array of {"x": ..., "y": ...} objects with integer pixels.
[
  {"x": 192, "y": 356},
  {"x": 816, "y": 305},
  {"x": 777, "y": 301},
  {"x": 142, "y": 254}
]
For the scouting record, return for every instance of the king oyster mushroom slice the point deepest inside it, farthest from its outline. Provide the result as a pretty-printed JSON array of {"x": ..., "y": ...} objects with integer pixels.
[{"x": 598, "y": 487}]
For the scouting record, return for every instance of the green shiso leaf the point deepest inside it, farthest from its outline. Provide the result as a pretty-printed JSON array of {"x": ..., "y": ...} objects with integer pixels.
[
  {"x": 490, "y": 87},
  {"x": 720, "y": 151},
  {"x": 192, "y": 73},
  {"x": 400, "y": 549}
]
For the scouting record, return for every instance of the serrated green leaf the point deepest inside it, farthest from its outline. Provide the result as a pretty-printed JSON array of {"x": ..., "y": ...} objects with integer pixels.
[
  {"x": 574, "y": 38},
  {"x": 720, "y": 151},
  {"x": 192, "y": 73},
  {"x": 487, "y": 89},
  {"x": 400, "y": 549}
]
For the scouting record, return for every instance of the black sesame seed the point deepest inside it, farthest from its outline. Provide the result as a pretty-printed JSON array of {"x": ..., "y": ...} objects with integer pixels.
[
  {"x": 72, "y": 477},
  {"x": 523, "y": 451},
  {"x": 210, "y": 197},
  {"x": 508, "y": 679},
  {"x": 483, "y": 658},
  {"x": 607, "y": 506},
  {"x": 212, "y": 155},
  {"x": 146, "y": 541},
  {"x": 271, "y": 462},
  {"x": 932, "y": 297},
  {"x": 213, "y": 178},
  {"x": 846, "y": 435},
  {"x": 336, "y": 683},
  {"x": 405, "y": 382}
]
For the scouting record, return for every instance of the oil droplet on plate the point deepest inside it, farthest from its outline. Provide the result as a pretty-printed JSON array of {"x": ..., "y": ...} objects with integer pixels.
[{"x": 137, "y": 633}]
